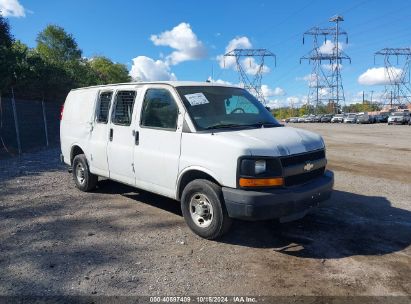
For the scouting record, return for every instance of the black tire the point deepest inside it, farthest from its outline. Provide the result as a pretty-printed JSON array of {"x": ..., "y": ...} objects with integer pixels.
[
  {"x": 89, "y": 181},
  {"x": 220, "y": 221}
]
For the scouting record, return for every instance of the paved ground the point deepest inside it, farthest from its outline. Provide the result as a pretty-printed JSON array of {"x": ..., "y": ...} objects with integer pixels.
[{"x": 119, "y": 241}]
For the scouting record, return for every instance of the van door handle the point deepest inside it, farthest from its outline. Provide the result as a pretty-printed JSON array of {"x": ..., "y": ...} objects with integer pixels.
[
  {"x": 136, "y": 138},
  {"x": 111, "y": 134}
]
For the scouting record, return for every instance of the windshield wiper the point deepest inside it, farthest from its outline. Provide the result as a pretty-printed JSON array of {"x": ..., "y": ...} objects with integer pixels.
[
  {"x": 254, "y": 125},
  {"x": 226, "y": 126},
  {"x": 261, "y": 124}
]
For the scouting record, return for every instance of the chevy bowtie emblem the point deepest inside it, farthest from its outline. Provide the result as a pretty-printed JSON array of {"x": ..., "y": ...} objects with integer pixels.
[{"x": 308, "y": 166}]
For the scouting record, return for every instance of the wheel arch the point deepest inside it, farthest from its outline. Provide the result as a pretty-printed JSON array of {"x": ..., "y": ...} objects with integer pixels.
[
  {"x": 192, "y": 173},
  {"x": 74, "y": 151}
]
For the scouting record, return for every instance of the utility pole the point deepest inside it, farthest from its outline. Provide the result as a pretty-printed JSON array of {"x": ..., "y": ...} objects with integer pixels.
[
  {"x": 325, "y": 83},
  {"x": 251, "y": 82},
  {"x": 398, "y": 74}
]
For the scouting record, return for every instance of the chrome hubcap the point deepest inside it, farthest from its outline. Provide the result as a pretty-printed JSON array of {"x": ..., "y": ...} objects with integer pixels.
[
  {"x": 80, "y": 174},
  {"x": 201, "y": 210}
]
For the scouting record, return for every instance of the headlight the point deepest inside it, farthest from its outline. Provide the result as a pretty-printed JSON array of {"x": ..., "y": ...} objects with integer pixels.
[
  {"x": 260, "y": 172},
  {"x": 260, "y": 166}
]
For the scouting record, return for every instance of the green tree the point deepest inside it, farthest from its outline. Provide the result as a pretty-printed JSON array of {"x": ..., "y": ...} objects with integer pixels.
[
  {"x": 62, "y": 68},
  {"x": 109, "y": 72},
  {"x": 361, "y": 107},
  {"x": 305, "y": 110},
  {"x": 6, "y": 55},
  {"x": 53, "y": 68},
  {"x": 55, "y": 45},
  {"x": 37, "y": 78}
]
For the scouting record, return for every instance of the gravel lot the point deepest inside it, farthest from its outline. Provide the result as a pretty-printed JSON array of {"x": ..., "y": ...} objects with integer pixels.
[{"x": 57, "y": 240}]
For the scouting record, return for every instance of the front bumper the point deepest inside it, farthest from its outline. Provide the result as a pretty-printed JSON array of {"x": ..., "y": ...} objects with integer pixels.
[
  {"x": 280, "y": 204},
  {"x": 397, "y": 122}
]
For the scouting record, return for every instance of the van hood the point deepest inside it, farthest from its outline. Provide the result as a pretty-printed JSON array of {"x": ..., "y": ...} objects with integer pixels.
[{"x": 279, "y": 141}]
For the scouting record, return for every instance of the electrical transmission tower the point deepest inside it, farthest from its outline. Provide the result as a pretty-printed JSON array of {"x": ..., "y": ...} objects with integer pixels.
[
  {"x": 256, "y": 59},
  {"x": 398, "y": 91},
  {"x": 325, "y": 83}
]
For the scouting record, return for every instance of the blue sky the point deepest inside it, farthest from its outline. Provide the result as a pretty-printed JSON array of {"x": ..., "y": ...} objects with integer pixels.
[{"x": 183, "y": 39}]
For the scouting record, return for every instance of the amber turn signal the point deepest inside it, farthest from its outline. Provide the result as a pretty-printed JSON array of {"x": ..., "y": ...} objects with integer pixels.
[{"x": 261, "y": 182}]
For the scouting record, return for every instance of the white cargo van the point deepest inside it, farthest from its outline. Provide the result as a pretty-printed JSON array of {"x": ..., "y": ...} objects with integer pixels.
[{"x": 214, "y": 148}]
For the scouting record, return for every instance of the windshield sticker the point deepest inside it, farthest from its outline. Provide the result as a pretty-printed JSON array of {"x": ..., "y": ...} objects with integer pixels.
[{"x": 196, "y": 99}]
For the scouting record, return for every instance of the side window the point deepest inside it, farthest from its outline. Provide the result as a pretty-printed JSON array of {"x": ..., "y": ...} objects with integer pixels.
[
  {"x": 123, "y": 109},
  {"x": 159, "y": 110},
  {"x": 239, "y": 104},
  {"x": 103, "y": 107}
]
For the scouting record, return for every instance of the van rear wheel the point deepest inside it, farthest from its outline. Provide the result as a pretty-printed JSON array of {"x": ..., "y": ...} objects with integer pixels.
[
  {"x": 84, "y": 179},
  {"x": 203, "y": 208}
]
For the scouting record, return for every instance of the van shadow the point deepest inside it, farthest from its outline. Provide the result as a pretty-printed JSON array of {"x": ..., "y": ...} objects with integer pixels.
[
  {"x": 347, "y": 224},
  {"x": 111, "y": 187}
]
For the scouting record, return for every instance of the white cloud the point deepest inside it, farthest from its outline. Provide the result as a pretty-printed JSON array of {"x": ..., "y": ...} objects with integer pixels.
[
  {"x": 268, "y": 92},
  {"x": 324, "y": 92},
  {"x": 311, "y": 79},
  {"x": 330, "y": 67},
  {"x": 251, "y": 67},
  {"x": 293, "y": 100},
  {"x": 236, "y": 43},
  {"x": 249, "y": 64},
  {"x": 12, "y": 8},
  {"x": 219, "y": 81},
  {"x": 184, "y": 41},
  {"x": 275, "y": 103},
  {"x": 328, "y": 46},
  {"x": 147, "y": 69},
  {"x": 380, "y": 76}
]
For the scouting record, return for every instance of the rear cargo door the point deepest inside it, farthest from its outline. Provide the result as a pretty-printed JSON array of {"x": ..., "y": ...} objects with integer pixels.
[{"x": 99, "y": 134}]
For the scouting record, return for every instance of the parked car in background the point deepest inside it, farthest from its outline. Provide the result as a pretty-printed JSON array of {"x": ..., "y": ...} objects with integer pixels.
[
  {"x": 350, "y": 118},
  {"x": 317, "y": 118},
  {"x": 309, "y": 118},
  {"x": 326, "y": 118},
  {"x": 399, "y": 118},
  {"x": 302, "y": 118},
  {"x": 365, "y": 118},
  {"x": 338, "y": 118},
  {"x": 382, "y": 117},
  {"x": 294, "y": 119}
]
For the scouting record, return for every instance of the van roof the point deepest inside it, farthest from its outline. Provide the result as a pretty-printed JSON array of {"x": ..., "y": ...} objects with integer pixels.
[{"x": 170, "y": 83}]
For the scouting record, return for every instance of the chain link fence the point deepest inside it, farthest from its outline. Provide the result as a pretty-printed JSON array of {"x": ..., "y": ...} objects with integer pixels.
[{"x": 26, "y": 125}]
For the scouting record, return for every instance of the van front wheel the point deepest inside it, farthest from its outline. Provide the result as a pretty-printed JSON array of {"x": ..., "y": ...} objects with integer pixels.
[
  {"x": 202, "y": 204},
  {"x": 84, "y": 179}
]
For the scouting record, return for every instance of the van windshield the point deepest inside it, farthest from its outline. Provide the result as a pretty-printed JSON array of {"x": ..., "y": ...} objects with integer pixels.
[{"x": 213, "y": 107}]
